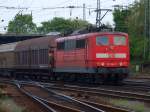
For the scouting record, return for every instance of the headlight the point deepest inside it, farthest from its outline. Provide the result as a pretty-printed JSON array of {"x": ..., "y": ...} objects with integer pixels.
[
  {"x": 120, "y": 63},
  {"x": 103, "y": 64}
]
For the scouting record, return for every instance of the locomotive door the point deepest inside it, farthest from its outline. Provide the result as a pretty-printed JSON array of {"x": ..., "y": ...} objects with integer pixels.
[
  {"x": 86, "y": 53},
  {"x": 51, "y": 58}
]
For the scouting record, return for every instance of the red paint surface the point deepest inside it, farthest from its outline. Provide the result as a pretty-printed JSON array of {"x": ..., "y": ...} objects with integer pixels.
[{"x": 87, "y": 57}]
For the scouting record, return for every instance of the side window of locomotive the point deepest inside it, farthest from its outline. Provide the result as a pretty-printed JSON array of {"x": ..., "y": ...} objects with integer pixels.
[
  {"x": 119, "y": 40},
  {"x": 80, "y": 43},
  {"x": 102, "y": 41},
  {"x": 70, "y": 45},
  {"x": 60, "y": 45}
]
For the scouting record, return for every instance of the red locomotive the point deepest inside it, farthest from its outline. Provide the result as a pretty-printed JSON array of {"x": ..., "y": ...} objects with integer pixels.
[{"x": 93, "y": 56}]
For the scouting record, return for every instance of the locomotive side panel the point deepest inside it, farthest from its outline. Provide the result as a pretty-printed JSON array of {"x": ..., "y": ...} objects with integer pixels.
[
  {"x": 71, "y": 55},
  {"x": 90, "y": 51}
]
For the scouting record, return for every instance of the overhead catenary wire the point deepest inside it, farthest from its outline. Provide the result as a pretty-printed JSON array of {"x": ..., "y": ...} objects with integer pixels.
[
  {"x": 63, "y": 2},
  {"x": 51, "y": 11}
]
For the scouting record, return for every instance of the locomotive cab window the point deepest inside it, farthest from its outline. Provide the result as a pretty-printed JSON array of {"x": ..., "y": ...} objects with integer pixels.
[
  {"x": 60, "y": 45},
  {"x": 102, "y": 40},
  {"x": 80, "y": 43},
  {"x": 119, "y": 40}
]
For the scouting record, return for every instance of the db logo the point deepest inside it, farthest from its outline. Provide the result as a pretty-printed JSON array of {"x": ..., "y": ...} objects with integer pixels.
[
  {"x": 111, "y": 55},
  {"x": 111, "y": 47}
]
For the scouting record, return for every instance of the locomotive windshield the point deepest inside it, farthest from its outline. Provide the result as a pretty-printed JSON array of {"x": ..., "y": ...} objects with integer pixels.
[
  {"x": 119, "y": 40},
  {"x": 102, "y": 40}
]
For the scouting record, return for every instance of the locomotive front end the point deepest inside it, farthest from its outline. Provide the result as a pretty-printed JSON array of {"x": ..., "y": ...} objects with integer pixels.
[{"x": 112, "y": 55}]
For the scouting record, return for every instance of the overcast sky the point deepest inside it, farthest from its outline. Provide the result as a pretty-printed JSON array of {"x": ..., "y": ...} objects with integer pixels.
[{"x": 40, "y": 14}]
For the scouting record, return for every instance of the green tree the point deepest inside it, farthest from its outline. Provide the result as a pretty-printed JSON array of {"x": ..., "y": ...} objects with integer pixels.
[
  {"x": 64, "y": 26},
  {"x": 121, "y": 19},
  {"x": 57, "y": 24},
  {"x": 136, "y": 20},
  {"x": 78, "y": 23},
  {"x": 136, "y": 30},
  {"x": 22, "y": 24},
  {"x": 132, "y": 22}
]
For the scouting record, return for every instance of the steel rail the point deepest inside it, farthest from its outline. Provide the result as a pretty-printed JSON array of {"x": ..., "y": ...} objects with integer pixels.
[
  {"x": 107, "y": 108},
  {"x": 45, "y": 103},
  {"x": 35, "y": 98},
  {"x": 104, "y": 92},
  {"x": 82, "y": 104},
  {"x": 58, "y": 106},
  {"x": 87, "y": 106}
]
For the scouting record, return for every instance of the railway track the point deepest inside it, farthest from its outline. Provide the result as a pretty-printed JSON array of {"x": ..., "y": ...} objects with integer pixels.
[
  {"x": 137, "y": 89},
  {"x": 137, "y": 83},
  {"x": 47, "y": 107},
  {"x": 137, "y": 86},
  {"x": 52, "y": 106},
  {"x": 104, "y": 92},
  {"x": 47, "y": 104},
  {"x": 28, "y": 100},
  {"x": 71, "y": 105},
  {"x": 143, "y": 87},
  {"x": 128, "y": 86},
  {"x": 106, "y": 108},
  {"x": 90, "y": 91}
]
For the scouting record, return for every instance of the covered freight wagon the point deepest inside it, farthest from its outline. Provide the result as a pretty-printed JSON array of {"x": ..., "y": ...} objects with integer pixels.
[
  {"x": 7, "y": 58},
  {"x": 32, "y": 56}
]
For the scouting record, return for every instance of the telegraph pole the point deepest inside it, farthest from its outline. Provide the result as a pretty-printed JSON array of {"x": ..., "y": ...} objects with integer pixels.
[
  {"x": 84, "y": 12},
  {"x": 147, "y": 29}
]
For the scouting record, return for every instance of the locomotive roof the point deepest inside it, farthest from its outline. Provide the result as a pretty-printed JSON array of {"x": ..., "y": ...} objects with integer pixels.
[
  {"x": 87, "y": 35},
  {"x": 8, "y": 47}
]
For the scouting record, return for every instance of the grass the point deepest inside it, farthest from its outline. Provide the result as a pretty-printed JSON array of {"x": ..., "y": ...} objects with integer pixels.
[
  {"x": 133, "y": 105},
  {"x": 8, "y": 105}
]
